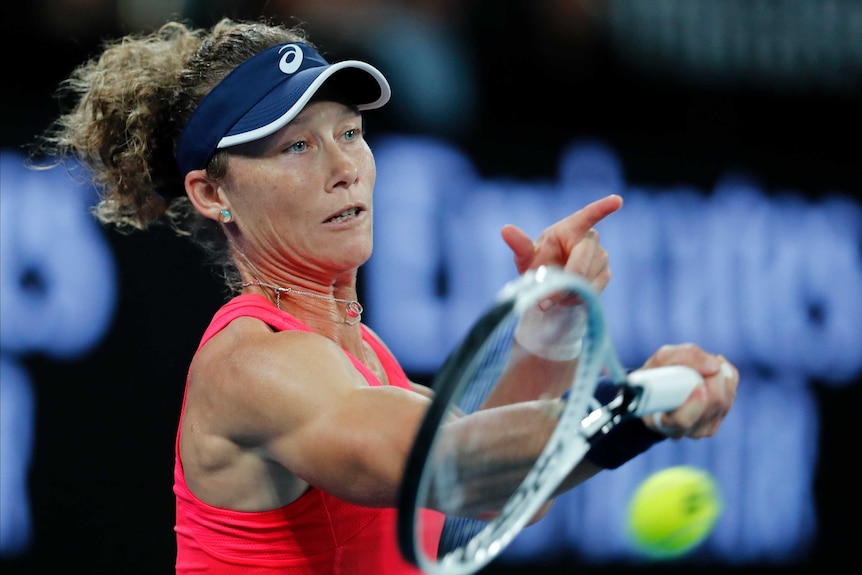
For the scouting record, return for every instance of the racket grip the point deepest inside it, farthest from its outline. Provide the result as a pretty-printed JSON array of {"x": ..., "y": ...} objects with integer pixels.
[{"x": 662, "y": 388}]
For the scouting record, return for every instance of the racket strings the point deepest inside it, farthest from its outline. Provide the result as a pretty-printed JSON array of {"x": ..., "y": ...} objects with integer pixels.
[
  {"x": 467, "y": 381},
  {"x": 484, "y": 375}
]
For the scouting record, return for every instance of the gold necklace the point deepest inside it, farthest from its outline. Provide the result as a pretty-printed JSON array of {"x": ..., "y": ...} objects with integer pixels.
[{"x": 352, "y": 308}]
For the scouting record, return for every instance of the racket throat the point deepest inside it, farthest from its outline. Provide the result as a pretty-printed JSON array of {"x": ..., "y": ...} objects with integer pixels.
[{"x": 599, "y": 422}]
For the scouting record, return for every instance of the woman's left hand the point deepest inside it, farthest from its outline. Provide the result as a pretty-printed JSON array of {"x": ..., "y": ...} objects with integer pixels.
[{"x": 571, "y": 243}]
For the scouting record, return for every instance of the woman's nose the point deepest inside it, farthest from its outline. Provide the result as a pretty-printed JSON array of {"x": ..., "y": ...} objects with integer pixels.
[{"x": 345, "y": 172}]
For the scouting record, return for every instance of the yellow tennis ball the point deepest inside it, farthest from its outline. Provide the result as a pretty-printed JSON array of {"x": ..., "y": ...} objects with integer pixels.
[{"x": 673, "y": 511}]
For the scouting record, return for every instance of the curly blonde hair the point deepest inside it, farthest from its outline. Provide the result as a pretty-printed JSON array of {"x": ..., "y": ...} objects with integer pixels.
[{"x": 127, "y": 108}]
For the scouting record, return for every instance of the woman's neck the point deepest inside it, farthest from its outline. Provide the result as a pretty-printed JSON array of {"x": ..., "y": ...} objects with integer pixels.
[{"x": 287, "y": 297}]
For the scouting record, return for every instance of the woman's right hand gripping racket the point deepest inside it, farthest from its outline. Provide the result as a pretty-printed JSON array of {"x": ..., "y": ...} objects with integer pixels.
[{"x": 507, "y": 425}]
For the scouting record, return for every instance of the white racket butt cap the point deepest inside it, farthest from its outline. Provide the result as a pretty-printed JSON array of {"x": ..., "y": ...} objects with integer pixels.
[{"x": 663, "y": 388}]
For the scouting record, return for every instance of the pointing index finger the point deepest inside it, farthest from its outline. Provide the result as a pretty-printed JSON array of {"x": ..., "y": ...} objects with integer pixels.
[
  {"x": 571, "y": 229},
  {"x": 594, "y": 212}
]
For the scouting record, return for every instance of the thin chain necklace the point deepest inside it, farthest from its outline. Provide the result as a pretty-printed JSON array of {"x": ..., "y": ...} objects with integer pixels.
[{"x": 352, "y": 308}]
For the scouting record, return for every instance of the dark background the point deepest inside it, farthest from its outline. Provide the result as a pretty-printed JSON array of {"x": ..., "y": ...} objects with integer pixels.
[{"x": 103, "y": 456}]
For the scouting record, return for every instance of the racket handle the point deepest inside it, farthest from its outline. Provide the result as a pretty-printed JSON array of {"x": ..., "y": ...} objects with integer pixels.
[{"x": 662, "y": 388}]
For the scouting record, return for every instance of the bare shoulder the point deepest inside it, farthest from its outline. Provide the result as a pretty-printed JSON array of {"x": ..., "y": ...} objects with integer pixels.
[
  {"x": 289, "y": 405},
  {"x": 260, "y": 381}
]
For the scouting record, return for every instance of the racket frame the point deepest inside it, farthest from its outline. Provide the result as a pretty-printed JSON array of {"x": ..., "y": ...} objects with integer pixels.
[{"x": 566, "y": 447}]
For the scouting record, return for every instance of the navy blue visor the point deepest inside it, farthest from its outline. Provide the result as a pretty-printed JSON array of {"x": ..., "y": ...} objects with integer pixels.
[{"x": 264, "y": 93}]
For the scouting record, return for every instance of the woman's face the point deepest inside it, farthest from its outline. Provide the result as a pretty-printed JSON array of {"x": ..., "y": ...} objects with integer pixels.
[{"x": 302, "y": 197}]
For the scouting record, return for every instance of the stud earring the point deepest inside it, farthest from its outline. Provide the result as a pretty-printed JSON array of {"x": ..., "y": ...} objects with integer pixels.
[{"x": 225, "y": 216}]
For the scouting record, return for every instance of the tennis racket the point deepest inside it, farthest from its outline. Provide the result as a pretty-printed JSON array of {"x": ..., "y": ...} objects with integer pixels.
[{"x": 507, "y": 426}]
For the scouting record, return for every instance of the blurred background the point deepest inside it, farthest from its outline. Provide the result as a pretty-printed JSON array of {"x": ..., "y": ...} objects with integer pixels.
[{"x": 730, "y": 127}]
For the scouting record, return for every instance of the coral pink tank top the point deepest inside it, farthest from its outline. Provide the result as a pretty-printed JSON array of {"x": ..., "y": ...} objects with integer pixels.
[{"x": 316, "y": 534}]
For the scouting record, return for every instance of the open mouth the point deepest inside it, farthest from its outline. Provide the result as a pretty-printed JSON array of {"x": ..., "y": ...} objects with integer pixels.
[{"x": 343, "y": 216}]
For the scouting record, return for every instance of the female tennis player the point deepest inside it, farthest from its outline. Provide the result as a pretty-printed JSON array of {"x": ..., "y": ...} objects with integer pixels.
[{"x": 296, "y": 421}]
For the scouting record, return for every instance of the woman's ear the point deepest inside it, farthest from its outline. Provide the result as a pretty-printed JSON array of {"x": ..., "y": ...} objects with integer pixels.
[{"x": 204, "y": 194}]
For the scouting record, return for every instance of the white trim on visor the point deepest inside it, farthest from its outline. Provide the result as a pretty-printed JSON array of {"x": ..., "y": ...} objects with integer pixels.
[{"x": 284, "y": 119}]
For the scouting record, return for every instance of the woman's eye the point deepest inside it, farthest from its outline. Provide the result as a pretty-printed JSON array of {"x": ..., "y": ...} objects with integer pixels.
[
  {"x": 351, "y": 134},
  {"x": 297, "y": 147}
]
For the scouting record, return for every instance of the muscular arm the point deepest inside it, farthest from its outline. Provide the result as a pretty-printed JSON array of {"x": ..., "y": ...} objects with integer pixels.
[{"x": 270, "y": 413}]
